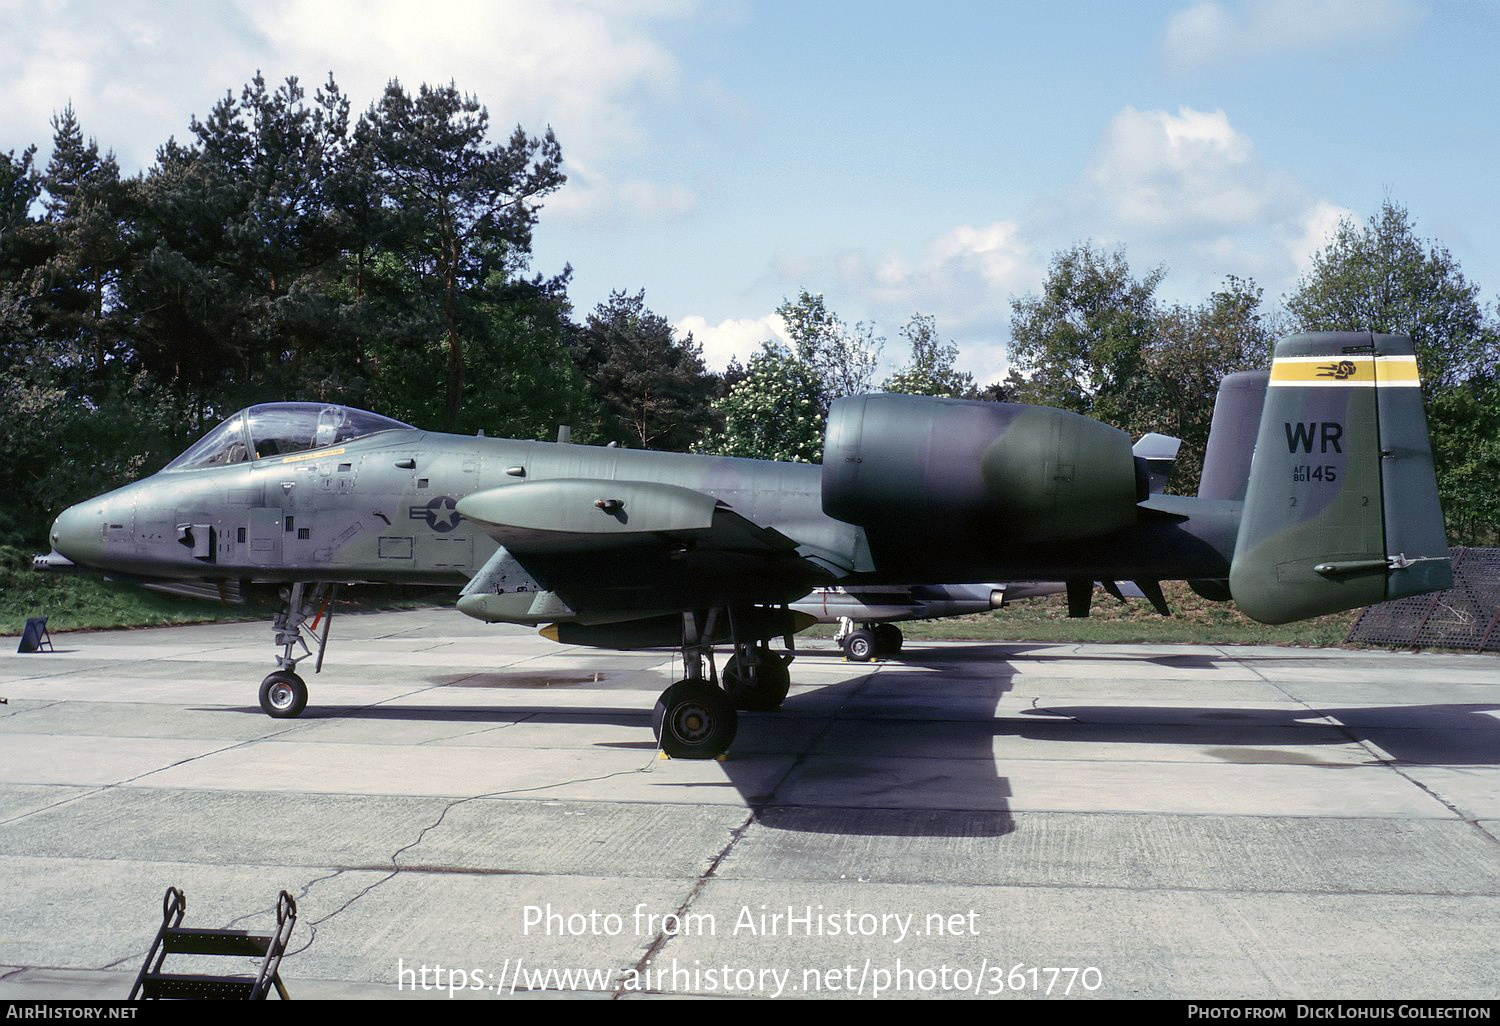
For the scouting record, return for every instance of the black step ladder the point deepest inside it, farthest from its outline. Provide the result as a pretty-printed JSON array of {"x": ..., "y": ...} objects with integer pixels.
[{"x": 174, "y": 938}]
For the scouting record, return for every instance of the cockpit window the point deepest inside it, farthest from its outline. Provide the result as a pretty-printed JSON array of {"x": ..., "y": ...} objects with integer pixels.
[
  {"x": 222, "y": 446},
  {"x": 279, "y": 429}
]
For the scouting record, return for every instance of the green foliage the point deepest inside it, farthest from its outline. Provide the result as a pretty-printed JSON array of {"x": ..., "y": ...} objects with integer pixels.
[
  {"x": 522, "y": 383},
  {"x": 1195, "y": 347},
  {"x": 462, "y": 209},
  {"x": 284, "y": 252},
  {"x": 1382, "y": 278},
  {"x": 931, "y": 370},
  {"x": 652, "y": 386},
  {"x": 774, "y": 412},
  {"x": 62, "y": 453},
  {"x": 19, "y": 188},
  {"x": 776, "y": 408},
  {"x": 1081, "y": 344},
  {"x": 85, "y": 244},
  {"x": 1464, "y": 422},
  {"x": 1097, "y": 342},
  {"x": 842, "y": 358},
  {"x": 80, "y": 601}
]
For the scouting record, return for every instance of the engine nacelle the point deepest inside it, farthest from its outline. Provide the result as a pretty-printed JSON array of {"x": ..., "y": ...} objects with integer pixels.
[{"x": 1030, "y": 473}]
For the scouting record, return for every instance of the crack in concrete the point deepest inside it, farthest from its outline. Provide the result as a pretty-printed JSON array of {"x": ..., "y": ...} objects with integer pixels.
[
  {"x": 122, "y": 960},
  {"x": 448, "y": 807},
  {"x": 480, "y": 730},
  {"x": 31, "y": 709}
]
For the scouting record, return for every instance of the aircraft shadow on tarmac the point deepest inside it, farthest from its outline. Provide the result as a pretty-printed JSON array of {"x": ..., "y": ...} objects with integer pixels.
[
  {"x": 1417, "y": 735},
  {"x": 1054, "y": 652}
]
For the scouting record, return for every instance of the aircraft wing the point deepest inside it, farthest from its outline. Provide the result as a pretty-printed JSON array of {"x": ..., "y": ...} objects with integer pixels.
[{"x": 597, "y": 548}]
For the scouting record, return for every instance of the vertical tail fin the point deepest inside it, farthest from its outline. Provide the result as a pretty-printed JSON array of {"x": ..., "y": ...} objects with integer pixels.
[
  {"x": 1341, "y": 508},
  {"x": 1231, "y": 435}
]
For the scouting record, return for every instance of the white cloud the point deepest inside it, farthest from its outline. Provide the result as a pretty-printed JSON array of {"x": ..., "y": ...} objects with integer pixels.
[
  {"x": 733, "y": 339},
  {"x": 994, "y": 252},
  {"x": 959, "y": 272},
  {"x": 965, "y": 277},
  {"x": 1313, "y": 233},
  {"x": 1212, "y": 32},
  {"x": 1188, "y": 172},
  {"x": 1186, "y": 189},
  {"x": 592, "y": 195},
  {"x": 578, "y": 66}
]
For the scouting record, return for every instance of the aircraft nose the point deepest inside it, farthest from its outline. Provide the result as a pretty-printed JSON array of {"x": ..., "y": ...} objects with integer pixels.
[{"x": 75, "y": 533}]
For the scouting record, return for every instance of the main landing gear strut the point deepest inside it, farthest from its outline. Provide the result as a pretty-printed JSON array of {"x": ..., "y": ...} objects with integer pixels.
[
  {"x": 868, "y": 641},
  {"x": 697, "y": 718},
  {"x": 305, "y": 609}
]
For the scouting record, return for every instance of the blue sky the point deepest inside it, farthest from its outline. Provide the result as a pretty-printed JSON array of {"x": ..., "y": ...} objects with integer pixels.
[{"x": 898, "y": 157}]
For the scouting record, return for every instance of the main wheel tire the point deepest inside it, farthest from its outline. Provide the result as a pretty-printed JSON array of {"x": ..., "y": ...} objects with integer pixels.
[
  {"x": 694, "y": 720},
  {"x": 888, "y": 638},
  {"x": 860, "y": 647},
  {"x": 283, "y": 695},
  {"x": 766, "y": 693}
]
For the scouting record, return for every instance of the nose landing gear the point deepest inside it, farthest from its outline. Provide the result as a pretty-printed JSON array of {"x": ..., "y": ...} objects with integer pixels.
[{"x": 283, "y": 694}]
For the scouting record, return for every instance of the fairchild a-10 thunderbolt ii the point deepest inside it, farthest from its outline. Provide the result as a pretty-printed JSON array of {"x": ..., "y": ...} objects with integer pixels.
[{"x": 1318, "y": 495}]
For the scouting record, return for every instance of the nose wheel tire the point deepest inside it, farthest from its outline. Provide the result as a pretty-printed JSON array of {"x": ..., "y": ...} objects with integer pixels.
[
  {"x": 283, "y": 695},
  {"x": 694, "y": 720}
]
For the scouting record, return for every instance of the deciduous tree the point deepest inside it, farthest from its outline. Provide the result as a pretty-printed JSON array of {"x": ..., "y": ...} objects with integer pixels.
[
  {"x": 1081, "y": 343},
  {"x": 1381, "y": 277},
  {"x": 774, "y": 412},
  {"x": 843, "y": 358},
  {"x": 931, "y": 370}
]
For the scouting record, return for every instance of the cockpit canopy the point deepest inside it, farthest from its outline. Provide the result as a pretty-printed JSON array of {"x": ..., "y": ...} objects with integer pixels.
[{"x": 278, "y": 429}]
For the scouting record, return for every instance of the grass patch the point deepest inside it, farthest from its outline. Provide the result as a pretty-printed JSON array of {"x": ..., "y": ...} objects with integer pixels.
[
  {"x": 84, "y": 601},
  {"x": 81, "y": 601}
]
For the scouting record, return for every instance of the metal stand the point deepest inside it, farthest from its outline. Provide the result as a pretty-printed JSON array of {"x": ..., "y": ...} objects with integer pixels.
[{"x": 173, "y": 937}]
